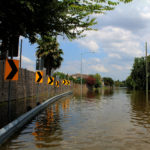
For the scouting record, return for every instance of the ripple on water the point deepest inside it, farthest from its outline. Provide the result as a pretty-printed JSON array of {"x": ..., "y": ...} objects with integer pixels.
[{"x": 108, "y": 121}]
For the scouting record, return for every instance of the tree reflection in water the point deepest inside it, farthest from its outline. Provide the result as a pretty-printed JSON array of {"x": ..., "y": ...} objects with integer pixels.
[
  {"x": 140, "y": 109},
  {"x": 48, "y": 131}
]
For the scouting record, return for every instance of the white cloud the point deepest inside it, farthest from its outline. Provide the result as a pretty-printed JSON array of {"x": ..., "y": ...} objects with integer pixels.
[
  {"x": 94, "y": 66},
  {"x": 99, "y": 68},
  {"x": 113, "y": 55},
  {"x": 28, "y": 63},
  {"x": 145, "y": 15},
  {"x": 118, "y": 67},
  {"x": 97, "y": 60},
  {"x": 113, "y": 40},
  {"x": 117, "y": 47},
  {"x": 93, "y": 60},
  {"x": 91, "y": 45},
  {"x": 71, "y": 67},
  {"x": 27, "y": 60},
  {"x": 121, "y": 37}
]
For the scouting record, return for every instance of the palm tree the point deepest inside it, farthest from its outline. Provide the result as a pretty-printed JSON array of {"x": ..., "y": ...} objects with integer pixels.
[{"x": 48, "y": 49}]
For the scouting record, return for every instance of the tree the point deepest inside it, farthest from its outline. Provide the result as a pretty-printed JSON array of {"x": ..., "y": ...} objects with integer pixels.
[
  {"x": 108, "y": 81},
  {"x": 117, "y": 83},
  {"x": 48, "y": 49},
  {"x": 90, "y": 82},
  {"x": 61, "y": 75},
  {"x": 130, "y": 82},
  {"x": 137, "y": 78},
  {"x": 120, "y": 83},
  {"x": 31, "y": 18},
  {"x": 98, "y": 80}
]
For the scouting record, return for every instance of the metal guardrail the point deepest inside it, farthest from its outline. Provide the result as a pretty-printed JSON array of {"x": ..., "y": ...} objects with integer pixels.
[{"x": 15, "y": 125}]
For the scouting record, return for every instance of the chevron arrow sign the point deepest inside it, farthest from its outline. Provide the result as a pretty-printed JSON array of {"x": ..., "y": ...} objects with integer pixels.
[
  {"x": 11, "y": 69},
  {"x": 57, "y": 83},
  {"x": 39, "y": 77},
  {"x": 64, "y": 82},
  {"x": 68, "y": 82},
  {"x": 50, "y": 80}
]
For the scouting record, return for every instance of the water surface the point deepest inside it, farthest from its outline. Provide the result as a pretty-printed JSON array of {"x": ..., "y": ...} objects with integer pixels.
[{"x": 109, "y": 120}]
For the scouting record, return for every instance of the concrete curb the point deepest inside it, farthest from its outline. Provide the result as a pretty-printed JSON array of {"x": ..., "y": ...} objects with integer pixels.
[{"x": 13, "y": 126}]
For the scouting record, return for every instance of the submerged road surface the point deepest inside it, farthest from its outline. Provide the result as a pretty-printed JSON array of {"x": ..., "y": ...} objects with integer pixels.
[{"x": 108, "y": 120}]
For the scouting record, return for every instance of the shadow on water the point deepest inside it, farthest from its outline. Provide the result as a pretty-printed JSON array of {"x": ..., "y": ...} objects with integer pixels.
[
  {"x": 107, "y": 92},
  {"x": 47, "y": 131},
  {"x": 19, "y": 107},
  {"x": 140, "y": 109},
  {"x": 98, "y": 93},
  {"x": 93, "y": 95}
]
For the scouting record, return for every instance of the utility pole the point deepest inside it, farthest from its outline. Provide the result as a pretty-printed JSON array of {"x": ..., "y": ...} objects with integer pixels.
[
  {"x": 146, "y": 73},
  {"x": 20, "y": 53},
  {"x": 81, "y": 75},
  {"x": 81, "y": 70}
]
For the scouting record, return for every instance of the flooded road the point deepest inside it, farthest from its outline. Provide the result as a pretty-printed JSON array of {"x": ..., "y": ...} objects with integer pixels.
[{"x": 109, "y": 120}]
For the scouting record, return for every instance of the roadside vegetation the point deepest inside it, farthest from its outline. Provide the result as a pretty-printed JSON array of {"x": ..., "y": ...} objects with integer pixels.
[
  {"x": 137, "y": 78},
  {"x": 42, "y": 21},
  {"x": 92, "y": 81}
]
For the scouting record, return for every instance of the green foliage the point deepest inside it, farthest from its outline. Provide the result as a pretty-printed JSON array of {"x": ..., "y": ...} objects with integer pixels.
[
  {"x": 64, "y": 76},
  {"x": 137, "y": 78},
  {"x": 61, "y": 75},
  {"x": 130, "y": 82},
  {"x": 108, "y": 81},
  {"x": 98, "y": 80},
  {"x": 48, "y": 49},
  {"x": 120, "y": 83},
  {"x": 31, "y": 18},
  {"x": 78, "y": 80},
  {"x": 94, "y": 81}
]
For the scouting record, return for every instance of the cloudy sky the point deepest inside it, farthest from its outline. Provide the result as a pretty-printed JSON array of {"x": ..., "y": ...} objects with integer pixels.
[{"x": 121, "y": 37}]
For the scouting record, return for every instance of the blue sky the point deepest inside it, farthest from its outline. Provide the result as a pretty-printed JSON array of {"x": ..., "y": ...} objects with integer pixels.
[{"x": 120, "y": 38}]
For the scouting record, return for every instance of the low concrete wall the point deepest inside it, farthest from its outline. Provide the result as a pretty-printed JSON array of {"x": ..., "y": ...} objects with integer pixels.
[
  {"x": 25, "y": 86},
  {"x": 12, "y": 127}
]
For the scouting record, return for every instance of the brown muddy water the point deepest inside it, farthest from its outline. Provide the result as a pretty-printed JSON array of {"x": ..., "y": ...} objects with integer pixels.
[
  {"x": 109, "y": 120},
  {"x": 21, "y": 106}
]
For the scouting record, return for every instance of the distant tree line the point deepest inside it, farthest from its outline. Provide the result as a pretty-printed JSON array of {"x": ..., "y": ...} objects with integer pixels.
[
  {"x": 120, "y": 83},
  {"x": 137, "y": 78},
  {"x": 92, "y": 81}
]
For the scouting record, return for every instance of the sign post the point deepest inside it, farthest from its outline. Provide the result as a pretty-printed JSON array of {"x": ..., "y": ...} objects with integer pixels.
[
  {"x": 146, "y": 73},
  {"x": 11, "y": 73},
  {"x": 50, "y": 82},
  {"x": 38, "y": 79},
  {"x": 57, "y": 81}
]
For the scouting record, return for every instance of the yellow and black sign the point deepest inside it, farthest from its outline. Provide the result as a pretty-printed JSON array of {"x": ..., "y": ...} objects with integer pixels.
[
  {"x": 50, "y": 80},
  {"x": 11, "y": 69},
  {"x": 64, "y": 82},
  {"x": 57, "y": 83},
  {"x": 39, "y": 77},
  {"x": 68, "y": 82}
]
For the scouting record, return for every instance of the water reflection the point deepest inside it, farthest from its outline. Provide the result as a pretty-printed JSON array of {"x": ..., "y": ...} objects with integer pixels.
[
  {"x": 107, "y": 92},
  {"x": 48, "y": 131},
  {"x": 108, "y": 119},
  {"x": 140, "y": 114},
  {"x": 20, "y": 106},
  {"x": 45, "y": 128}
]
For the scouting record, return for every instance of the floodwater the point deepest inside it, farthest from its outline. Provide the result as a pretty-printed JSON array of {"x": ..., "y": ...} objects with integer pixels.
[
  {"x": 20, "y": 106},
  {"x": 109, "y": 120}
]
